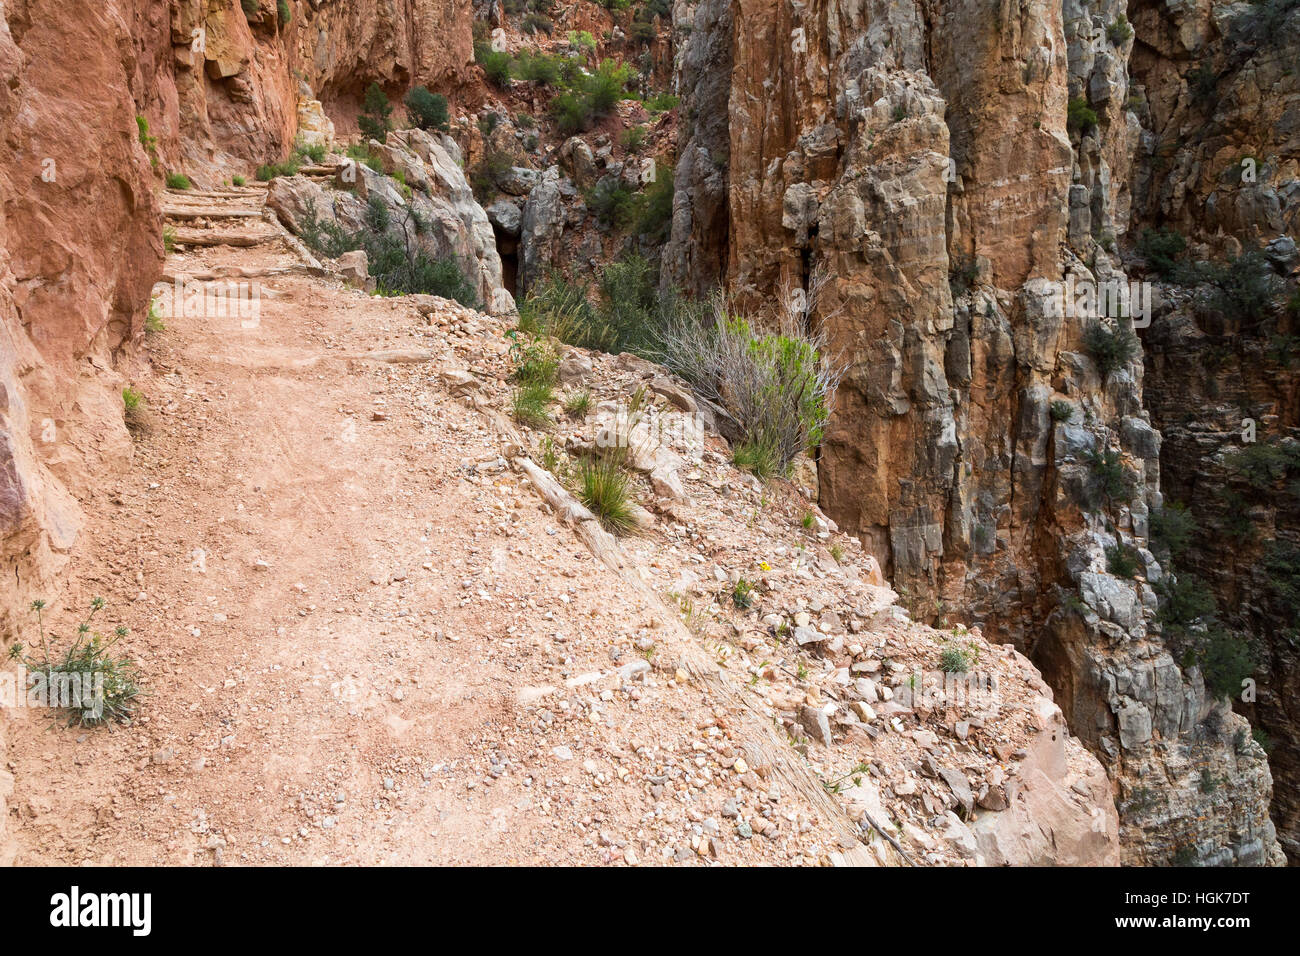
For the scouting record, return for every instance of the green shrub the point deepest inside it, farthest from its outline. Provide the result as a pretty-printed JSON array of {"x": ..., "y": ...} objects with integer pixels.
[
  {"x": 1110, "y": 348},
  {"x": 661, "y": 103},
  {"x": 399, "y": 265},
  {"x": 954, "y": 660},
  {"x": 611, "y": 202},
  {"x": 537, "y": 67},
  {"x": 87, "y": 679},
  {"x": 1243, "y": 290},
  {"x": 758, "y": 456},
  {"x": 962, "y": 276},
  {"x": 537, "y": 23},
  {"x": 1225, "y": 660},
  {"x": 578, "y": 404},
  {"x": 251, "y": 8},
  {"x": 1109, "y": 481},
  {"x": 1282, "y": 567},
  {"x": 654, "y": 206},
  {"x": 269, "y": 171},
  {"x": 592, "y": 96},
  {"x": 375, "y": 119},
  {"x": 1119, "y": 32},
  {"x": 777, "y": 387},
  {"x": 131, "y": 400},
  {"x": 1203, "y": 84},
  {"x": 238, "y": 180},
  {"x": 742, "y": 594},
  {"x": 529, "y": 404},
  {"x": 489, "y": 172},
  {"x": 496, "y": 64},
  {"x": 1186, "y": 603},
  {"x": 1161, "y": 248},
  {"x": 153, "y": 321},
  {"x": 1264, "y": 464},
  {"x": 282, "y": 11},
  {"x": 536, "y": 362},
  {"x": 1172, "y": 527},
  {"x": 641, "y": 33},
  {"x": 314, "y": 152},
  {"x": 606, "y": 491},
  {"x": 1062, "y": 411},
  {"x": 427, "y": 110},
  {"x": 1123, "y": 561},
  {"x": 633, "y": 138},
  {"x": 178, "y": 181},
  {"x": 1080, "y": 117},
  {"x": 582, "y": 40}
]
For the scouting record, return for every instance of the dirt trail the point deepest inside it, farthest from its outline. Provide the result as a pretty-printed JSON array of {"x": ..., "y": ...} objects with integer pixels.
[{"x": 343, "y": 602}]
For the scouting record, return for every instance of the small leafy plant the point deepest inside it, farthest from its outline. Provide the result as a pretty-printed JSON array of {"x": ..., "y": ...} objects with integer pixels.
[
  {"x": 88, "y": 680},
  {"x": 742, "y": 595},
  {"x": 954, "y": 660}
]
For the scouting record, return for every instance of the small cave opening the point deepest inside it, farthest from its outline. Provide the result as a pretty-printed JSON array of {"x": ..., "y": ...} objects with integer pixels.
[{"x": 508, "y": 251}]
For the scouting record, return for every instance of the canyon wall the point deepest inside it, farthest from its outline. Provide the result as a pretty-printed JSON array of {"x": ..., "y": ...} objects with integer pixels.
[
  {"x": 1218, "y": 160},
  {"x": 922, "y": 177},
  {"x": 915, "y": 172},
  {"x": 223, "y": 82},
  {"x": 80, "y": 247}
]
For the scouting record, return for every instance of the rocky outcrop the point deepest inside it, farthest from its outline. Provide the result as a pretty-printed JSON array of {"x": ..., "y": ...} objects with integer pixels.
[
  {"x": 224, "y": 89},
  {"x": 928, "y": 181},
  {"x": 426, "y": 186},
  {"x": 80, "y": 245}
]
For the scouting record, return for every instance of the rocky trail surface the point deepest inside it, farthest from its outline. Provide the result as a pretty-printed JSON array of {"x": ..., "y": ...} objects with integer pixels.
[{"x": 375, "y": 631}]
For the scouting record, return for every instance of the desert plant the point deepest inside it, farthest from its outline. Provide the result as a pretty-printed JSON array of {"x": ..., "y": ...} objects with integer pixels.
[
  {"x": 633, "y": 138},
  {"x": 90, "y": 681},
  {"x": 269, "y": 171},
  {"x": 1080, "y": 117},
  {"x": 178, "y": 181},
  {"x": 1161, "y": 248},
  {"x": 238, "y": 180},
  {"x": 153, "y": 322},
  {"x": 1110, "y": 348},
  {"x": 1109, "y": 481},
  {"x": 742, "y": 594},
  {"x": 1172, "y": 528},
  {"x": 496, "y": 64},
  {"x": 1119, "y": 32},
  {"x": 1062, "y": 411},
  {"x": 282, "y": 12},
  {"x": 778, "y": 387},
  {"x": 427, "y": 110},
  {"x": 375, "y": 119},
  {"x": 1225, "y": 661},
  {"x": 1123, "y": 561},
  {"x": 578, "y": 404},
  {"x": 530, "y": 403},
  {"x": 954, "y": 659},
  {"x": 606, "y": 491},
  {"x": 132, "y": 401}
]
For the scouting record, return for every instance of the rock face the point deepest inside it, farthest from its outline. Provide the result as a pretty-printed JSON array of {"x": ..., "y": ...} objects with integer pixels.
[
  {"x": 223, "y": 89},
  {"x": 916, "y": 178},
  {"x": 80, "y": 246},
  {"x": 446, "y": 221},
  {"x": 1217, "y": 160}
]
